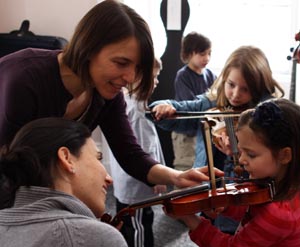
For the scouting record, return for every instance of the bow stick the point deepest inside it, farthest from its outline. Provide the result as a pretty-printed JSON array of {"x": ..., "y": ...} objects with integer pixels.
[{"x": 199, "y": 114}]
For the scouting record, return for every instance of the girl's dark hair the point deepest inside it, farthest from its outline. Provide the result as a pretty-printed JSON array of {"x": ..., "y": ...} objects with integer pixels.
[
  {"x": 276, "y": 123},
  {"x": 32, "y": 155},
  {"x": 110, "y": 22},
  {"x": 193, "y": 42}
]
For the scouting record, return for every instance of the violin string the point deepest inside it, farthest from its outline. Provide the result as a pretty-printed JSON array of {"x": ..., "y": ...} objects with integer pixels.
[
  {"x": 231, "y": 129},
  {"x": 235, "y": 179},
  {"x": 233, "y": 143}
]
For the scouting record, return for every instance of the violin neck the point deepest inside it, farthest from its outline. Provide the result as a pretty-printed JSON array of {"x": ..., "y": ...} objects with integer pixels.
[
  {"x": 161, "y": 199},
  {"x": 167, "y": 196}
]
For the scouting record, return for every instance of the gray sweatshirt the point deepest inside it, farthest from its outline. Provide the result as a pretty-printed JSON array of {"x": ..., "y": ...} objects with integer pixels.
[{"x": 42, "y": 217}]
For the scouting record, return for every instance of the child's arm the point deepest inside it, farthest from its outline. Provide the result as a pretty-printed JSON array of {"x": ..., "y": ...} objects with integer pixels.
[{"x": 191, "y": 221}]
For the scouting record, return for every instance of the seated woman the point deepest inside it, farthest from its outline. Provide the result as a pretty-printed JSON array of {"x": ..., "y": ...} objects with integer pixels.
[{"x": 53, "y": 188}]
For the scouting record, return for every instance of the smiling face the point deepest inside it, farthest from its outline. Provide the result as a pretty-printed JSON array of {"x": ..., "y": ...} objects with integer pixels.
[
  {"x": 115, "y": 66},
  {"x": 91, "y": 178},
  {"x": 236, "y": 89},
  {"x": 256, "y": 158}
]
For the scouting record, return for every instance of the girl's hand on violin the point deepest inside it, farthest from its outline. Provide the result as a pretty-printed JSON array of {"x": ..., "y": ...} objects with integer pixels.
[
  {"x": 223, "y": 144},
  {"x": 158, "y": 189},
  {"x": 205, "y": 171},
  {"x": 163, "y": 111},
  {"x": 191, "y": 221},
  {"x": 115, "y": 222},
  {"x": 119, "y": 226},
  {"x": 213, "y": 213},
  {"x": 195, "y": 176}
]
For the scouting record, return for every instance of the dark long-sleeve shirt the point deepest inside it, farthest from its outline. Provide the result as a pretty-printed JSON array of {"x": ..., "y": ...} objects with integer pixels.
[
  {"x": 31, "y": 88},
  {"x": 188, "y": 84}
]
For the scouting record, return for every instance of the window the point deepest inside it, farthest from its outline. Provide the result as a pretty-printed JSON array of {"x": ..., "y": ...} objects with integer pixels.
[{"x": 267, "y": 24}]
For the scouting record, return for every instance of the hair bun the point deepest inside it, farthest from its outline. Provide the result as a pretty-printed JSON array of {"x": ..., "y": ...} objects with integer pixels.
[
  {"x": 15, "y": 163},
  {"x": 267, "y": 114}
]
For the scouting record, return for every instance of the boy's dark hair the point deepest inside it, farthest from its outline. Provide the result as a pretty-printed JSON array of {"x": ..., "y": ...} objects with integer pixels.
[{"x": 193, "y": 42}]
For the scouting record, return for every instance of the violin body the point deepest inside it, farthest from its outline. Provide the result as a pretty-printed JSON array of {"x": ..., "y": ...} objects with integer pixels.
[{"x": 247, "y": 193}]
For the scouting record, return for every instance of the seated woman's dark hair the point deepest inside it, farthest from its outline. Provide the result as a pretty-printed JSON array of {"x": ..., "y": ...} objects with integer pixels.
[{"x": 30, "y": 158}]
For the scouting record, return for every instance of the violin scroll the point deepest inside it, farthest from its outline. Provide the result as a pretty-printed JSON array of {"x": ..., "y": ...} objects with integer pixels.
[{"x": 117, "y": 220}]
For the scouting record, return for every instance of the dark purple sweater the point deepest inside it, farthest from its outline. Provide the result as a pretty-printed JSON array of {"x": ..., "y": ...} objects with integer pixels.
[{"x": 31, "y": 88}]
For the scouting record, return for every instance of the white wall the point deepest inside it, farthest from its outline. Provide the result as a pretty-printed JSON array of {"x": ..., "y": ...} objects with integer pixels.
[{"x": 47, "y": 17}]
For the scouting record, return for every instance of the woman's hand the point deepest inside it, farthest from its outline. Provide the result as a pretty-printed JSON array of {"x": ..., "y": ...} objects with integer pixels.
[
  {"x": 194, "y": 176},
  {"x": 158, "y": 189},
  {"x": 160, "y": 174},
  {"x": 163, "y": 111}
]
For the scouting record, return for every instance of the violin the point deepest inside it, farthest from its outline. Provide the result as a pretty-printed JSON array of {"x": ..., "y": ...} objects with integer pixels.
[
  {"x": 204, "y": 197},
  {"x": 228, "y": 125},
  {"x": 220, "y": 120},
  {"x": 200, "y": 198}
]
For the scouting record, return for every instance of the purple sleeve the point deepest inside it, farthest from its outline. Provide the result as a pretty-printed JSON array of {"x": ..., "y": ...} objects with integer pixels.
[
  {"x": 30, "y": 88},
  {"x": 16, "y": 101}
]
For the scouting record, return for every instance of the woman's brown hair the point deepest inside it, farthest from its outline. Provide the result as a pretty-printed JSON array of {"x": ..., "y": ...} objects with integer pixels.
[{"x": 110, "y": 22}]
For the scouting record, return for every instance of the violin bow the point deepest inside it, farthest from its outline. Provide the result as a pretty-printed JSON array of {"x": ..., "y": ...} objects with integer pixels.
[{"x": 196, "y": 114}]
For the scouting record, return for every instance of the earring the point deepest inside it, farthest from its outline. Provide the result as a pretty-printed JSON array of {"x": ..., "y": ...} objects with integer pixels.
[{"x": 72, "y": 170}]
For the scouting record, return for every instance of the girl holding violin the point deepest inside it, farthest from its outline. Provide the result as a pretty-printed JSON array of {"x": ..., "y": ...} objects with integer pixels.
[
  {"x": 268, "y": 140},
  {"x": 245, "y": 80}
]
